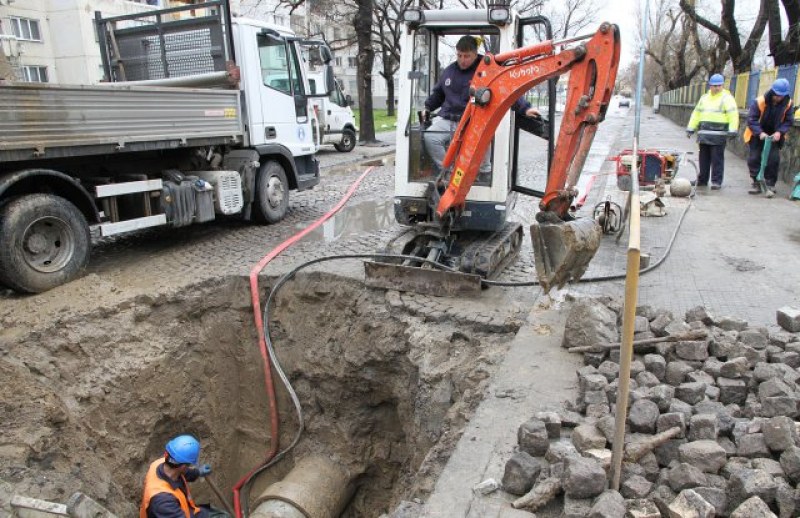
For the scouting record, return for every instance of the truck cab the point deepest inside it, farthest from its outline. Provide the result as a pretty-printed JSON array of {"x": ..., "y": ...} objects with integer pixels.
[{"x": 336, "y": 120}]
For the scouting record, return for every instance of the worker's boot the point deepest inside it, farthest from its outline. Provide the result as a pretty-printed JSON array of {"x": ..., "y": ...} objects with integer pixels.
[
  {"x": 755, "y": 188},
  {"x": 770, "y": 192}
]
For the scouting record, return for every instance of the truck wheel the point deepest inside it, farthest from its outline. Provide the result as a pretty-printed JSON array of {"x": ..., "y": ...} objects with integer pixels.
[
  {"x": 272, "y": 193},
  {"x": 348, "y": 141},
  {"x": 44, "y": 242}
]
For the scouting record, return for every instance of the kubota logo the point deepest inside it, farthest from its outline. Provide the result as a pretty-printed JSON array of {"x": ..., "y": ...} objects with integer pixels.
[{"x": 530, "y": 71}]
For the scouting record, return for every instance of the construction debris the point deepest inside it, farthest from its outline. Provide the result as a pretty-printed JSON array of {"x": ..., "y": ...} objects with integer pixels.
[{"x": 710, "y": 430}]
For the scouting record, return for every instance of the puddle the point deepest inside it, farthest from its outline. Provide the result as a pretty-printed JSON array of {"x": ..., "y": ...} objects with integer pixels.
[{"x": 366, "y": 216}]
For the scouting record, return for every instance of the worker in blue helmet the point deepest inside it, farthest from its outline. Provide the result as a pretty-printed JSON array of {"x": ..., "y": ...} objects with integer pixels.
[
  {"x": 715, "y": 119},
  {"x": 166, "y": 490},
  {"x": 770, "y": 117}
]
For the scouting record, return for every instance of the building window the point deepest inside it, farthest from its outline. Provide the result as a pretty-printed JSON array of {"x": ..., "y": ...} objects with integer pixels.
[
  {"x": 25, "y": 29},
  {"x": 33, "y": 74},
  {"x": 351, "y": 62},
  {"x": 337, "y": 61}
]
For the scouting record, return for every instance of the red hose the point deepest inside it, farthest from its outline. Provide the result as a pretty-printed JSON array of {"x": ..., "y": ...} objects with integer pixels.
[{"x": 262, "y": 344}]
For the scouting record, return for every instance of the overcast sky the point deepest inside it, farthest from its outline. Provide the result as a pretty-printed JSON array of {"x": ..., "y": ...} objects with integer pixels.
[{"x": 623, "y": 13}]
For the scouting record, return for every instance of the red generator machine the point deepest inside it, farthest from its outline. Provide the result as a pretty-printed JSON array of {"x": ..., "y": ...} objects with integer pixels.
[{"x": 653, "y": 165}]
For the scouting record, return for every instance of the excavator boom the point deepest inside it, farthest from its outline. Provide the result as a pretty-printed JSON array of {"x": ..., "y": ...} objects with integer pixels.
[{"x": 563, "y": 248}]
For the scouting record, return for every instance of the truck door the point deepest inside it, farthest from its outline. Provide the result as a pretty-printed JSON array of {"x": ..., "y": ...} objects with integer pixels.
[{"x": 284, "y": 101}]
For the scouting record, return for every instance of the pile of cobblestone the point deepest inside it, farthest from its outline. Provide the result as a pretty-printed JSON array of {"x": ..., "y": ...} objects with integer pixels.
[{"x": 711, "y": 426}]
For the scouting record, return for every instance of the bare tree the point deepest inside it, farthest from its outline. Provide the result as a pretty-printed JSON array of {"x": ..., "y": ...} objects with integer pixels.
[
  {"x": 362, "y": 22},
  {"x": 571, "y": 17},
  {"x": 727, "y": 31},
  {"x": 387, "y": 29},
  {"x": 671, "y": 48},
  {"x": 6, "y": 70},
  {"x": 785, "y": 49}
]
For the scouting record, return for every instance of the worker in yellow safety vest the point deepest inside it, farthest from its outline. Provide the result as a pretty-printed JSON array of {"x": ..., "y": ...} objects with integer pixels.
[
  {"x": 715, "y": 119},
  {"x": 166, "y": 489}
]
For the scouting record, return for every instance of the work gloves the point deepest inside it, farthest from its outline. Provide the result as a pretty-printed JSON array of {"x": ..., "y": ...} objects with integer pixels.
[
  {"x": 689, "y": 133},
  {"x": 204, "y": 470}
]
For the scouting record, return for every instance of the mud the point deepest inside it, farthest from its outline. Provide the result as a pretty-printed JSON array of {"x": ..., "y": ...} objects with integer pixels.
[{"x": 89, "y": 399}]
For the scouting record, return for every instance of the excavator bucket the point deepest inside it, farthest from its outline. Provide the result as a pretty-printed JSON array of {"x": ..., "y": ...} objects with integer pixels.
[{"x": 562, "y": 251}]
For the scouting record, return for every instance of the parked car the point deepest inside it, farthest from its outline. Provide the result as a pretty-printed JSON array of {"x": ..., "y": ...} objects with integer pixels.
[{"x": 624, "y": 101}]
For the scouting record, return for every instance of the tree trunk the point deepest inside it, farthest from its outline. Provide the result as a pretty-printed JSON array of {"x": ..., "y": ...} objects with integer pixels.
[
  {"x": 366, "y": 57},
  {"x": 6, "y": 71},
  {"x": 390, "y": 97}
]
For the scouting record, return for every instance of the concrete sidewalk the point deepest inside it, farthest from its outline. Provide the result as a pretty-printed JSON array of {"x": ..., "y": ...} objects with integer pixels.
[{"x": 736, "y": 254}]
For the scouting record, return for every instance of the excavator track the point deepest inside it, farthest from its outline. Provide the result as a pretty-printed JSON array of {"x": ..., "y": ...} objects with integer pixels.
[{"x": 471, "y": 256}]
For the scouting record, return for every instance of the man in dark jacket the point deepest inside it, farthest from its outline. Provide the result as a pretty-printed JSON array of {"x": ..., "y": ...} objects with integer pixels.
[
  {"x": 451, "y": 95},
  {"x": 770, "y": 117}
]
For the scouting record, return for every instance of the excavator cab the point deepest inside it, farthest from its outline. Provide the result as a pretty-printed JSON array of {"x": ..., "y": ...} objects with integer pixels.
[{"x": 460, "y": 208}]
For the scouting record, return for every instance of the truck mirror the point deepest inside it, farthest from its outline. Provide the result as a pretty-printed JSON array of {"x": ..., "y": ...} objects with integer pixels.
[
  {"x": 325, "y": 54},
  {"x": 330, "y": 83}
]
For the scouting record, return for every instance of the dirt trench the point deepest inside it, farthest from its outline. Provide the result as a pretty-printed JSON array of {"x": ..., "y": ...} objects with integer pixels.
[{"x": 89, "y": 400}]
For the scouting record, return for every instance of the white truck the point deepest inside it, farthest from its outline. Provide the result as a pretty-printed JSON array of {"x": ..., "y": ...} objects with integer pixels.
[
  {"x": 190, "y": 126},
  {"x": 335, "y": 115}
]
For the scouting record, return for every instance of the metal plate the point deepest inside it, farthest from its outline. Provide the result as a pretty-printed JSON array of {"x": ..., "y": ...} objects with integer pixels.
[{"x": 427, "y": 281}]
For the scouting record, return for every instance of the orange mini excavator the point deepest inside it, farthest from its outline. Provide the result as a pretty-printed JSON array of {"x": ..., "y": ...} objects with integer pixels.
[{"x": 455, "y": 213}]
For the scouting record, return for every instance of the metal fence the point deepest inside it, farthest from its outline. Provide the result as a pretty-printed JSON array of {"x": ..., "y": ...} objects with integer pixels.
[{"x": 745, "y": 87}]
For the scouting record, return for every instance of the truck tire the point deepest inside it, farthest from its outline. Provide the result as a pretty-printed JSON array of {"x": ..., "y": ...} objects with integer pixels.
[
  {"x": 348, "y": 141},
  {"x": 44, "y": 242},
  {"x": 272, "y": 193}
]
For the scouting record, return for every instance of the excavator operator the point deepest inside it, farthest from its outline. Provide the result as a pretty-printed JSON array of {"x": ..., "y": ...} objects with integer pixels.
[{"x": 450, "y": 95}]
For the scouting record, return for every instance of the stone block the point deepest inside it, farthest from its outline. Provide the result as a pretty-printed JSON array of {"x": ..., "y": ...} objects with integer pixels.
[
  {"x": 790, "y": 358},
  {"x": 790, "y": 462},
  {"x": 779, "y": 406},
  {"x": 587, "y": 437},
  {"x": 661, "y": 395},
  {"x": 559, "y": 451},
  {"x": 771, "y": 466},
  {"x": 754, "y": 338},
  {"x": 692, "y": 350},
  {"x": 730, "y": 323},
  {"x": 679, "y": 406},
  {"x": 647, "y": 379},
  {"x": 603, "y": 457},
  {"x": 789, "y": 319},
  {"x": 787, "y": 499},
  {"x": 532, "y": 437},
  {"x": 712, "y": 366},
  {"x": 691, "y": 393},
  {"x": 609, "y": 504},
  {"x": 671, "y": 420},
  {"x": 576, "y": 507},
  {"x": 592, "y": 381},
  {"x": 774, "y": 387},
  {"x": 752, "y": 445},
  {"x": 753, "y": 508},
  {"x": 642, "y": 508},
  {"x": 685, "y": 476},
  {"x": 732, "y": 391},
  {"x": 780, "y": 433},
  {"x": 699, "y": 314},
  {"x": 659, "y": 324},
  {"x": 734, "y": 368},
  {"x": 642, "y": 416},
  {"x": 584, "y": 478},
  {"x": 656, "y": 364},
  {"x": 635, "y": 486},
  {"x": 703, "y": 427},
  {"x": 747, "y": 483},
  {"x": 690, "y": 504},
  {"x": 637, "y": 367},
  {"x": 641, "y": 324},
  {"x": 552, "y": 423},
  {"x": 590, "y": 322},
  {"x": 700, "y": 376},
  {"x": 520, "y": 473},
  {"x": 715, "y": 496},
  {"x": 707, "y": 456},
  {"x": 609, "y": 369},
  {"x": 676, "y": 372},
  {"x": 676, "y": 328}
]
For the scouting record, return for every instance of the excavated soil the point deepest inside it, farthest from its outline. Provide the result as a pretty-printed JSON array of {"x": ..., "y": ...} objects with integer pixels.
[{"x": 90, "y": 399}]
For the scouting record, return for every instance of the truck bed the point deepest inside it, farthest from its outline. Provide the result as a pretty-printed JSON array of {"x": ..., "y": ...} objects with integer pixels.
[{"x": 50, "y": 121}]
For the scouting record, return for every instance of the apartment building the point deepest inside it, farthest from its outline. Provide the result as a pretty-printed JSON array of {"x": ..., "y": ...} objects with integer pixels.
[{"x": 54, "y": 41}]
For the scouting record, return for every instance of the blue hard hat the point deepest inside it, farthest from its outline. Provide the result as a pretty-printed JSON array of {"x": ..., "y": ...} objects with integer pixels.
[
  {"x": 183, "y": 449},
  {"x": 716, "y": 80},
  {"x": 780, "y": 86}
]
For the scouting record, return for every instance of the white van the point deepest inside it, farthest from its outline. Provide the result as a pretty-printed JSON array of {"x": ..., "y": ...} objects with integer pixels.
[{"x": 335, "y": 116}]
